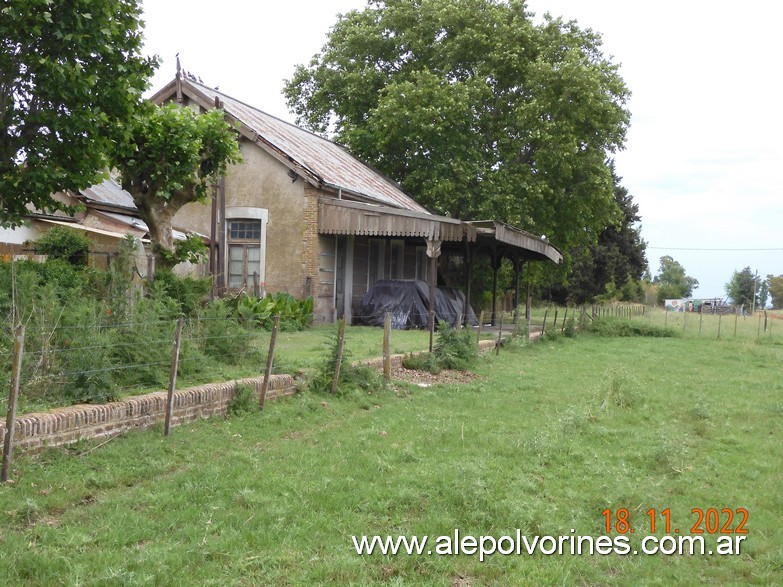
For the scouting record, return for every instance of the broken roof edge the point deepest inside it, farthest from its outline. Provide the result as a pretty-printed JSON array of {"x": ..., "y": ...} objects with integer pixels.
[
  {"x": 347, "y": 217},
  {"x": 512, "y": 235}
]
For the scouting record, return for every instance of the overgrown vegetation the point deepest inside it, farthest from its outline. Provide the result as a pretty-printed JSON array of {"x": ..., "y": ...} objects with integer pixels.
[
  {"x": 64, "y": 244},
  {"x": 453, "y": 349},
  {"x": 689, "y": 424},
  {"x": 352, "y": 377},
  {"x": 616, "y": 326},
  {"x": 244, "y": 401},
  {"x": 294, "y": 314},
  {"x": 93, "y": 335}
]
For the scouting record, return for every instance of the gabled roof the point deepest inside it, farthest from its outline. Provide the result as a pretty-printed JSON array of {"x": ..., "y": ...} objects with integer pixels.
[{"x": 320, "y": 161}]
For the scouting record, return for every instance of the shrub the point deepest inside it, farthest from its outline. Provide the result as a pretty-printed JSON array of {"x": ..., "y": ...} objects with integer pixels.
[
  {"x": 352, "y": 377},
  {"x": 221, "y": 335},
  {"x": 244, "y": 400},
  {"x": 615, "y": 326},
  {"x": 569, "y": 330},
  {"x": 294, "y": 314},
  {"x": 454, "y": 349},
  {"x": 65, "y": 244},
  {"x": 189, "y": 293},
  {"x": 421, "y": 362}
]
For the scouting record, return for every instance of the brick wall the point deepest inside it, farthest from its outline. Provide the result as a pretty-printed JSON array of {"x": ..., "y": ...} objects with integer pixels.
[
  {"x": 310, "y": 249},
  {"x": 61, "y": 426}
]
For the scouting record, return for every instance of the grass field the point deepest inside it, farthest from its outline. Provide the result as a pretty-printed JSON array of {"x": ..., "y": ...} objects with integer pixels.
[{"x": 545, "y": 440}]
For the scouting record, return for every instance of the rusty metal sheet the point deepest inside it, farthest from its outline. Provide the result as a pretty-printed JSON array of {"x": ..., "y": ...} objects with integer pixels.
[
  {"x": 529, "y": 245},
  {"x": 344, "y": 217},
  {"x": 109, "y": 192}
]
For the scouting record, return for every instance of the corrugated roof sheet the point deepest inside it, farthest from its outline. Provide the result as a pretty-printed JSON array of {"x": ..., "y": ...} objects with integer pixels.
[
  {"x": 322, "y": 157},
  {"x": 109, "y": 192}
]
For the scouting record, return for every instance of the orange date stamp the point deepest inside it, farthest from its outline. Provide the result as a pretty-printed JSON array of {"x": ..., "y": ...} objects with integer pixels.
[{"x": 703, "y": 521}]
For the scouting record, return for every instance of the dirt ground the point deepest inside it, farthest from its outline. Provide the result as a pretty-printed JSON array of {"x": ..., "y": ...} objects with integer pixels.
[{"x": 426, "y": 379}]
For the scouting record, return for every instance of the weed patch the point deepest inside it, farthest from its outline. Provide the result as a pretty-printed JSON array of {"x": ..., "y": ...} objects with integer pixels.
[
  {"x": 615, "y": 326},
  {"x": 244, "y": 400}
]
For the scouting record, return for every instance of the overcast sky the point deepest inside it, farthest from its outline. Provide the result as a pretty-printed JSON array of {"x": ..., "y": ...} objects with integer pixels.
[{"x": 704, "y": 152}]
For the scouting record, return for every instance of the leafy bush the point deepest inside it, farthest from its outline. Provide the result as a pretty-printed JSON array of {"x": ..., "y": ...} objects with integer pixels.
[
  {"x": 294, "y": 314},
  {"x": 421, "y": 362},
  {"x": 569, "y": 330},
  {"x": 244, "y": 400},
  {"x": 189, "y": 293},
  {"x": 352, "y": 377},
  {"x": 614, "y": 326},
  {"x": 454, "y": 349},
  {"x": 65, "y": 244},
  {"x": 222, "y": 336}
]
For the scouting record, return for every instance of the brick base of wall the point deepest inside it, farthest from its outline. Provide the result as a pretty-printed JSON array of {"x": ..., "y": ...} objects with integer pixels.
[{"x": 34, "y": 432}]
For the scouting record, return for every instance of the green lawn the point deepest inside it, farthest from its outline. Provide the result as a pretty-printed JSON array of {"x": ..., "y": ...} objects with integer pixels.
[{"x": 548, "y": 438}]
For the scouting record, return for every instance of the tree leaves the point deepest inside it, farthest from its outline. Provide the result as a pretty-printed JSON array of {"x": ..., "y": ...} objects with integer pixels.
[
  {"x": 171, "y": 156},
  {"x": 61, "y": 98},
  {"x": 475, "y": 110}
]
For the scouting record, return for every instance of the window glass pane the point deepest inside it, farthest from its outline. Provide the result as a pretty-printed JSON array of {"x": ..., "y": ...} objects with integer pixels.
[
  {"x": 253, "y": 256},
  {"x": 244, "y": 230}
]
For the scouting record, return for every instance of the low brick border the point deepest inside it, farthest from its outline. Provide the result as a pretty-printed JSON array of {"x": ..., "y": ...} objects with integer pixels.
[
  {"x": 34, "y": 432},
  {"x": 61, "y": 426}
]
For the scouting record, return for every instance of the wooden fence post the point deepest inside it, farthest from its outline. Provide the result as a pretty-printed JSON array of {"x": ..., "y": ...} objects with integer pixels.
[
  {"x": 173, "y": 376},
  {"x": 13, "y": 397},
  {"x": 720, "y": 318},
  {"x": 481, "y": 325},
  {"x": 500, "y": 336},
  {"x": 270, "y": 359},
  {"x": 543, "y": 326},
  {"x": 387, "y": 347},
  {"x": 736, "y": 318},
  {"x": 339, "y": 360}
]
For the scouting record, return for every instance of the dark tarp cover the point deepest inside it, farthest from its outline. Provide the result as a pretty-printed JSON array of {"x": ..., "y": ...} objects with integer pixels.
[{"x": 407, "y": 301}]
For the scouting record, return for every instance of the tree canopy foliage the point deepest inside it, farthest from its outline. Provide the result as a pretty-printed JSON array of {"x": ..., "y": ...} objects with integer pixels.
[
  {"x": 171, "y": 157},
  {"x": 742, "y": 289},
  {"x": 475, "y": 109},
  {"x": 776, "y": 290},
  {"x": 70, "y": 74},
  {"x": 617, "y": 261},
  {"x": 672, "y": 281}
]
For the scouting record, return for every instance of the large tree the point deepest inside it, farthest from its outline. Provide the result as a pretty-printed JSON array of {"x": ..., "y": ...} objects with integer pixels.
[
  {"x": 70, "y": 74},
  {"x": 475, "y": 110},
  {"x": 618, "y": 258},
  {"x": 171, "y": 157},
  {"x": 776, "y": 290},
  {"x": 741, "y": 288},
  {"x": 672, "y": 281}
]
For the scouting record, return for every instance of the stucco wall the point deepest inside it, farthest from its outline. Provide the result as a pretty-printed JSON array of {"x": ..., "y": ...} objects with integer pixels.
[{"x": 261, "y": 181}]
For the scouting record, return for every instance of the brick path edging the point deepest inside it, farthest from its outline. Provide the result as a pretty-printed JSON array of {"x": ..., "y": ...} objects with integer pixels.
[{"x": 60, "y": 426}]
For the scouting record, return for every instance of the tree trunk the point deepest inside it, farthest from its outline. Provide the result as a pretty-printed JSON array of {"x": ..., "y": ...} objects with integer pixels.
[{"x": 158, "y": 214}]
